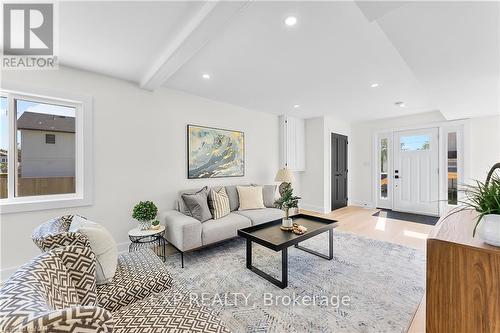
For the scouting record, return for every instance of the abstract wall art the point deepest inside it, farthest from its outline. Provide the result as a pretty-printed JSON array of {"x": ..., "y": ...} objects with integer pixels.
[{"x": 214, "y": 152}]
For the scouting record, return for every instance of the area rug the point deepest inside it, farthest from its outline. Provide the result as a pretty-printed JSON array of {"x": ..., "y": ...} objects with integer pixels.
[{"x": 369, "y": 286}]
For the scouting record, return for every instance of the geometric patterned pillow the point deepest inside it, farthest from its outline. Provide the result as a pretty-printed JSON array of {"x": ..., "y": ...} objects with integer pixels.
[
  {"x": 80, "y": 264},
  {"x": 139, "y": 274},
  {"x": 54, "y": 233},
  {"x": 41, "y": 296}
]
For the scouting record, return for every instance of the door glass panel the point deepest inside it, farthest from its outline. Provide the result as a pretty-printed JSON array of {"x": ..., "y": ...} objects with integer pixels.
[
  {"x": 46, "y": 148},
  {"x": 4, "y": 147},
  {"x": 383, "y": 168},
  {"x": 452, "y": 168},
  {"x": 415, "y": 142}
]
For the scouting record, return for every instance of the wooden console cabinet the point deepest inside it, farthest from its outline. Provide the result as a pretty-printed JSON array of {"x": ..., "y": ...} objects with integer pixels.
[{"x": 463, "y": 279}]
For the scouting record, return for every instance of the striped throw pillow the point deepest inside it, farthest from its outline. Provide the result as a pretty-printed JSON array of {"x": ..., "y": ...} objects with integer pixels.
[{"x": 220, "y": 202}]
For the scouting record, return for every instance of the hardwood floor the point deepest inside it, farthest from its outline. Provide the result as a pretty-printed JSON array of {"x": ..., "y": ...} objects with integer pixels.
[{"x": 360, "y": 221}]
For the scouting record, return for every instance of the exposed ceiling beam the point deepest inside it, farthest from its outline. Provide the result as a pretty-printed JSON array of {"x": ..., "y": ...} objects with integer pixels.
[{"x": 209, "y": 21}]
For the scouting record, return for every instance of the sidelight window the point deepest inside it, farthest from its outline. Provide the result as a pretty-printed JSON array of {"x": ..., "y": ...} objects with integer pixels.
[
  {"x": 452, "y": 168},
  {"x": 384, "y": 167}
]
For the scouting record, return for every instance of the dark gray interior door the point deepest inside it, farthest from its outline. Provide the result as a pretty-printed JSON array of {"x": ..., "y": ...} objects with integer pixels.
[{"x": 339, "y": 171}]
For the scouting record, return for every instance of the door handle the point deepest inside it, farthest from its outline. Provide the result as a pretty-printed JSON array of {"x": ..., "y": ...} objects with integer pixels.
[
  {"x": 396, "y": 176},
  {"x": 338, "y": 174}
]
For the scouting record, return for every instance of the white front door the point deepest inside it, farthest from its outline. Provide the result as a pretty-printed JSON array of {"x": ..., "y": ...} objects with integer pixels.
[{"x": 415, "y": 173}]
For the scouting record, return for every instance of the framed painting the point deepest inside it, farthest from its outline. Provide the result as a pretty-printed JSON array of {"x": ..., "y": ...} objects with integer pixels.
[{"x": 214, "y": 152}]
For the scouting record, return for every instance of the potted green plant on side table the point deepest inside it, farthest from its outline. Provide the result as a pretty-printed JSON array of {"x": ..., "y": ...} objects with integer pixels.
[
  {"x": 285, "y": 202},
  {"x": 145, "y": 212}
]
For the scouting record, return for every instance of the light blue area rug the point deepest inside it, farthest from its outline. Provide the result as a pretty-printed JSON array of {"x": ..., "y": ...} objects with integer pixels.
[{"x": 380, "y": 283}]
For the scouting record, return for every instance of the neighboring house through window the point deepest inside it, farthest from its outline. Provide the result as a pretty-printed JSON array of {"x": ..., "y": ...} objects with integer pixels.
[{"x": 39, "y": 151}]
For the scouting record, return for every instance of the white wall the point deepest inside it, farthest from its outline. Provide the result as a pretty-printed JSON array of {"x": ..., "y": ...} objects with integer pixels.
[
  {"x": 40, "y": 159},
  {"x": 312, "y": 179},
  {"x": 361, "y": 146},
  {"x": 151, "y": 128},
  {"x": 315, "y": 181},
  {"x": 482, "y": 146}
]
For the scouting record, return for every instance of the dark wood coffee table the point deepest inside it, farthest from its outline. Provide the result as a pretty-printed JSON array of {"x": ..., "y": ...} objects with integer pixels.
[{"x": 271, "y": 236}]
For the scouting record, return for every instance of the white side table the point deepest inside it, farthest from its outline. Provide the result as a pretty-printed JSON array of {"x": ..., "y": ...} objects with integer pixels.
[{"x": 148, "y": 238}]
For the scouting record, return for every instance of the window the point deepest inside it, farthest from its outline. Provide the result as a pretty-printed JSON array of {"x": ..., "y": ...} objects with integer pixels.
[
  {"x": 50, "y": 139},
  {"x": 383, "y": 167},
  {"x": 42, "y": 143},
  {"x": 452, "y": 167},
  {"x": 415, "y": 142},
  {"x": 44, "y": 169},
  {"x": 4, "y": 147}
]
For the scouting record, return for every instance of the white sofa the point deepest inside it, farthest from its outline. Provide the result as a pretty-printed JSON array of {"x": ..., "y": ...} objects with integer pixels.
[{"x": 186, "y": 233}]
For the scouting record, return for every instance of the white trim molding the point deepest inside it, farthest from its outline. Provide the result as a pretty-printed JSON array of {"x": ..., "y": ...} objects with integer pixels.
[{"x": 83, "y": 195}]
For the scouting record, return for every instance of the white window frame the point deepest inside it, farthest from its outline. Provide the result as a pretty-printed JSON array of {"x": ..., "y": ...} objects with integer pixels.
[
  {"x": 380, "y": 201},
  {"x": 458, "y": 126},
  {"x": 83, "y": 195},
  {"x": 459, "y": 130}
]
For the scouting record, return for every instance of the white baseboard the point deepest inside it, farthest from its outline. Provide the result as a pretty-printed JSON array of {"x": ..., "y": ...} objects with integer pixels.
[
  {"x": 363, "y": 204},
  {"x": 314, "y": 208},
  {"x": 122, "y": 247}
]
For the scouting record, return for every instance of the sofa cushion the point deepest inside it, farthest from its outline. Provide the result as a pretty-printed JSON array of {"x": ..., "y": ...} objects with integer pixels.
[
  {"x": 54, "y": 233},
  {"x": 223, "y": 228},
  {"x": 79, "y": 262},
  {"x": 181, "y": 205},
  {"x": 41, "y": 297},
  {"x": 170, "y": 311},
  {"x": 197, "y": 204},
  {"x": 138, "y": 275},
  {"x": 234, "y": 200},
  {"x": 220, "y": 203},
  {"x": 269, "y": 194},
  {"x": 103, "y": 245},
  {"x": 258, "y": 216},
  {"x": 250, "y": 197}
]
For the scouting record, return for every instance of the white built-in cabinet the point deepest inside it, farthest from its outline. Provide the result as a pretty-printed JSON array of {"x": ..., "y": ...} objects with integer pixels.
[{"x": 292, "y": 143}]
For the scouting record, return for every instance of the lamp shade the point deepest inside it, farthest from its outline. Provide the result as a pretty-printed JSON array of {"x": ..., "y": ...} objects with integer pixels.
[{"x": 284, "y": 176}]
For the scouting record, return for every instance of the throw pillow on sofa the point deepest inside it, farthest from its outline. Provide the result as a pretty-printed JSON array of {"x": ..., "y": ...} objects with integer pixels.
[
  {"x": 103, "y": 245},
  {"x": 250, "y": 197},
  {"x": 220, "y": 203},
  {"x": 197, "y": 204},
  {"x": 269, "y": 195}
]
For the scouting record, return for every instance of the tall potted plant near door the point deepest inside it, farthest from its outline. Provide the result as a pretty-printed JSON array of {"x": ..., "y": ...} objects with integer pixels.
[{"x": 484, "y": 198}]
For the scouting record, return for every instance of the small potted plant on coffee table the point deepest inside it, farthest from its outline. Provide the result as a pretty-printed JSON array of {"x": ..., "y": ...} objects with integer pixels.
[
  {"x": 145, "y": 212},
  {"x": 285, "y": 202}
]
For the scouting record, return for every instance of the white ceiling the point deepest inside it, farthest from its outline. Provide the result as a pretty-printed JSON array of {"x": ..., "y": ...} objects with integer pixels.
[{"x": 431, "y": 55}]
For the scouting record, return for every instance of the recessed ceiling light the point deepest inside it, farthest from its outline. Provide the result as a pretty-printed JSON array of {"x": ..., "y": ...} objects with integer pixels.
[
  {"x": 206, "y": 76},
  {"x": 296, "y": 106},
  {"x": 374, "y": 85},
  {"x": 290, "y": 21},
  {"x": 400, "y": 104}
]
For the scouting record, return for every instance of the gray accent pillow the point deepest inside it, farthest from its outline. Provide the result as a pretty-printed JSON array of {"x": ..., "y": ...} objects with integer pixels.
[
  {"x": 197, "y": 204},
  {"x": 269, "y": 194},
  {"x": 181, "y": 206},
  {"x": 234, "y": 199}
]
